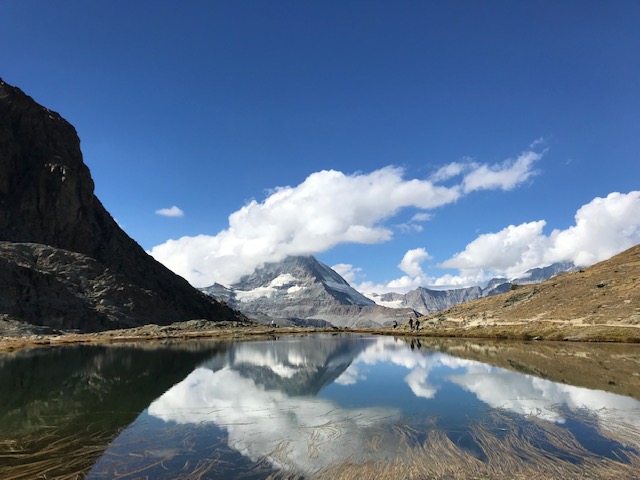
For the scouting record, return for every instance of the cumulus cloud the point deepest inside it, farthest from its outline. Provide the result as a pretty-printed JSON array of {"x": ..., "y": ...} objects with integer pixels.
[
  {"x": 347, "y": 271},
  {"x": 412, "y": 261},
  {"x": 170, "y": 212},
  {"x": 328, "y": 208},
  {"x": 603, "y": 228},
  {"x": 504, "y": 176},
  {"x": 450, "y": 171},
  {"x": 411, "y": 265},
  {"x": 512, "y": 249}
]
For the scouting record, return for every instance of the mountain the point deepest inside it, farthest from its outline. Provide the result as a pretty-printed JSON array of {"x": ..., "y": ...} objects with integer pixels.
[
  {"x": 603, "y": 295},
  {"x": 65, "y": 263},
  {"x": 76, "y": 386},
  {"x": 304, "y": 289},
  {"x": 425, "y": 300},
  {"x": 537, "y": 275},
  {"x": 291, "y": 367}
]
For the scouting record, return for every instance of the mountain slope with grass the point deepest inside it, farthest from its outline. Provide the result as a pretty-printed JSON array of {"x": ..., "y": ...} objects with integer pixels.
[{"x": 599, "y": 302}]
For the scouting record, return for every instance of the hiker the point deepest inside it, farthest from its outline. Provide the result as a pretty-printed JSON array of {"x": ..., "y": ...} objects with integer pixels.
[
  {"x": 395, "y": 324},
  {"x": 417, "y": 324},
  {"x": 411, "y": 324}
]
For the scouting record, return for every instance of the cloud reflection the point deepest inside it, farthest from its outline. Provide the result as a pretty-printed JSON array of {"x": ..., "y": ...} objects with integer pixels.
[
  {"x": 264, "y": 395},
  {"x": 497, "y": 387},
  {"x": 316, "y": 432},
  {"x": 528, "y": 395}
]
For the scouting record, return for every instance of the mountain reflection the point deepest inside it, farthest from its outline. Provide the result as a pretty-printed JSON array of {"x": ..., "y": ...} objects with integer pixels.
[{"x": 265, "y": 395}]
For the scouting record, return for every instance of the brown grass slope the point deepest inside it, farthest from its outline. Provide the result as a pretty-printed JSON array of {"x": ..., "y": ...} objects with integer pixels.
[{"x": 601, "y": 302}]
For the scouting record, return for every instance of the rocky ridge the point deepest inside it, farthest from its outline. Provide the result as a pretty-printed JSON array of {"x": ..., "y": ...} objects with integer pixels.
[
  {"x": 426, "y": 301},
  {"x": 73, "y": 253}
]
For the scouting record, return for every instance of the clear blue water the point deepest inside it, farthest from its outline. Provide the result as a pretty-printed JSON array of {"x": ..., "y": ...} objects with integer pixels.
[{"x": 303, "y": 404}]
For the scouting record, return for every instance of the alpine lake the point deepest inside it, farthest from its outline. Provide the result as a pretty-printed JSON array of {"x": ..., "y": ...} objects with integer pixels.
[{"x": 337, "y": 406}]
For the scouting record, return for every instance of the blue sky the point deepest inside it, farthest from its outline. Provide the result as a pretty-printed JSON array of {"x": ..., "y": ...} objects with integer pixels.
[{"x": 354, "y": 106}]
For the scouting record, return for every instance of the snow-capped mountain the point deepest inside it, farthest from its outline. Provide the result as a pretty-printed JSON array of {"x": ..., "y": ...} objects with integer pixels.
[
  {"x": 425, "y": 301},
  {"x": 304, "y": 290}
]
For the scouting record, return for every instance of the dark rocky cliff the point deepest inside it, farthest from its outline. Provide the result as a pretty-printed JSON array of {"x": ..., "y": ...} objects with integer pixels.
[{"x": 47, "y": 197}]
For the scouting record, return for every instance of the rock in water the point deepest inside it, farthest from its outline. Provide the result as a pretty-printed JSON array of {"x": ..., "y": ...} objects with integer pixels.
[{"x": 47, "y": 198}]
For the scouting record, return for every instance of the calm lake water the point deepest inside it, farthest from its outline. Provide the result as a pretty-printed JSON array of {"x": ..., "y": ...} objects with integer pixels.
[{"x": 323, "y": 405}]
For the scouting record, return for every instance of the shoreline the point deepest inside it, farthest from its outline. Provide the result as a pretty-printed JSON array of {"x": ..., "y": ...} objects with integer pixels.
[{"x": 198, "y": 329}]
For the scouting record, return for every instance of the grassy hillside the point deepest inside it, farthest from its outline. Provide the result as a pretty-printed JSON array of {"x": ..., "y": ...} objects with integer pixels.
[{"x": 601, "y": 302}]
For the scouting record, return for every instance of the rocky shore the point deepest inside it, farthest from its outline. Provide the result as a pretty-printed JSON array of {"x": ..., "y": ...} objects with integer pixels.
[{"x": 15, "y": 336}]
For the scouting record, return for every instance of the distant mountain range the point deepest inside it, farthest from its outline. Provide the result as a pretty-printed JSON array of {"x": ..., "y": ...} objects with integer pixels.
[
  {"x": 301, "y": 290},
  {"x": 425, "y": 300},
  {"x": 582, "y": 304}
]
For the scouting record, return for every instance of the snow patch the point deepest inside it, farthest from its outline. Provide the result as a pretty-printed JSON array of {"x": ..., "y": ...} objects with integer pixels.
[
  {"x": 250, "y": 295},
  {"x": 282, "y": 280},
  {"x": 390, "y": 303},
  {"x": 270, "y": 290},
  {"x": 295, "y": 289}
]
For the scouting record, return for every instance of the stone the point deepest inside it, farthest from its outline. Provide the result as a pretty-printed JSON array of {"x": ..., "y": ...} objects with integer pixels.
[{"x": 47, "y": 198}]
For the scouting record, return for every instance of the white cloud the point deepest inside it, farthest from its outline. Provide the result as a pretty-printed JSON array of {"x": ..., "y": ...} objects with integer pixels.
[
  {"x": 448, "y": 281},
  {"x": 450, "y": 171},
  {"x": 512, "y": 249},
  {"x": 347, "y": 271},
  {"x": 504, "y": 176},
  {"x": 421, "y": 217},
  {"x": 328, "y": 208},
  {"x": 170, "y": 212},
  {"x": 603, "y": 228},
  {"x": 402, "y": 284},
  {"x": 411, "y": 265},
  {"x": 537, "y": 142},
  {"x": 409, "y": 227},
  {"x": 412, "y": 261},
  {"x": 413, "y": 224}
]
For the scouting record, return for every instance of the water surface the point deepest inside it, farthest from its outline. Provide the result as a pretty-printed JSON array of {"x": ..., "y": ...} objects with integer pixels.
[{"x": 324, "y": 405}]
